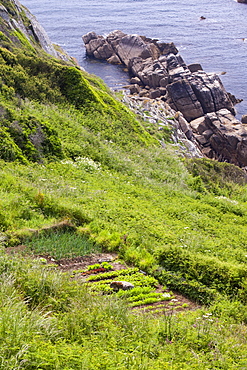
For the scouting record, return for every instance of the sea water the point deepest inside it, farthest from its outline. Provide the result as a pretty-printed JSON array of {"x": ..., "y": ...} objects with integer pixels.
[{"x": 218, "y": 42}]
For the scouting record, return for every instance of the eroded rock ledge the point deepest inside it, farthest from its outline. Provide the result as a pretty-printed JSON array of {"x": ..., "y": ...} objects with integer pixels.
[{"x": 158, "y": 71}]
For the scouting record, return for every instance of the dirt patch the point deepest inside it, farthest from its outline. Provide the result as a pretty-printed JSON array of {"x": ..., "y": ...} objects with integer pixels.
[
  {"x": 174, "y": 301},
  {"x": 80, "y": 263},
  {"x": 19, "y": 249}
]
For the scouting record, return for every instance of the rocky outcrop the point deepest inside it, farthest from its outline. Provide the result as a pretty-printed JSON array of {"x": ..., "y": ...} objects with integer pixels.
[
  {"x": 221, "y": 136},
  {"x": 16, "y": 17},
  {"x": 163, "y": 118},
  {"x": 206, "y": 110},
  {"x": 242, "y": 1},
  {"x": 124, "y": 48},
  {"x": 159, "y": 71}
]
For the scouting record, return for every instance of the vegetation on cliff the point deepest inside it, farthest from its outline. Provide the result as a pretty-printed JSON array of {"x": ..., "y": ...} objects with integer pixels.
[{"x": 73, "y": 155}]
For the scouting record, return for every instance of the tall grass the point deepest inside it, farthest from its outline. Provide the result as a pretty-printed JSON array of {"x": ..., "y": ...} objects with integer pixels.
[{"x": 62, "y": 245}]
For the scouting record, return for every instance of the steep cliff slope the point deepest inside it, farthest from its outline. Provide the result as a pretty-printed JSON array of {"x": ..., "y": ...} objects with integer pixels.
[{"x": 28, "y": 72}]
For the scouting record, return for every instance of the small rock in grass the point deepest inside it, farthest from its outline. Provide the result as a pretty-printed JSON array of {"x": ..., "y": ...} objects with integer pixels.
[{"x": 124, "y": 285}]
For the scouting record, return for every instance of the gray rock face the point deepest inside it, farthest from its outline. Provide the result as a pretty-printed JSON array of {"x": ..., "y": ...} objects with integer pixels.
[
  {"x": 132, "y": 46},
  {"x": 34, "y": 32},
  {"x": 4, "y": 13},
  {"x": 182, "y": 98},
  {"x": 99, "y": 48},
  {"x": 39, "y": 34}
]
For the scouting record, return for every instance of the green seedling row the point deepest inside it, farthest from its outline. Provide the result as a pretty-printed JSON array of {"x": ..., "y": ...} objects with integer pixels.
[{"x": 113, "y": 274}]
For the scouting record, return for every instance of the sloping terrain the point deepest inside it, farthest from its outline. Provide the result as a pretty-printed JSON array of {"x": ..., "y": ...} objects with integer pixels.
[{"x": 81, "y": 174}]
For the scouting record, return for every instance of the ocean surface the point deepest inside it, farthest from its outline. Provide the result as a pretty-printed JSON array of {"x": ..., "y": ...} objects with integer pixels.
[{"x": 218, "y": 42}]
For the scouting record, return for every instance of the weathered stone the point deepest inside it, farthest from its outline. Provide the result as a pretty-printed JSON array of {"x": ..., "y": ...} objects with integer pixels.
[
  {"x": 164, "y": 81},
  {"x": 4, "y": 13},
  {"x": 143, "y": 93},
  {"x": 226, "y": 141},
  {"x": 114, "y": 37},
  {"x": 184, "y": 99},
  {"x": 199, "y": 125},
  {"x": 208, "y": 152},
  {"x": 201, "y": 139},
  {"x": 207, "y": 134},
  {"x": 185, "y": 127},
  {"x": 163, "y": 60},
  {"x": 195, "y": 67},
  {"x": 93, "y": 45},
  {"x": 88, "y": 37},
  {"x": 210, "y": 92},
  {"x": 167, "y": 48},
  {"x": 175, "y": 61},
  {"x": 162, "y": 90},
  {"x": 134, "y": 89},
  {"x": 233, "y": 99},
  {"x": 36, "y": 32},
  {"x": 132, "y": 46},
  {"x": 136, "y": 80},
  {"x": 244, "y": 119},
  {"x": 124, "y": 285},
  {"x": 114, "y": 59},
  {"x": 154, "y": 94},
  {"x": 136, "y": 66}
]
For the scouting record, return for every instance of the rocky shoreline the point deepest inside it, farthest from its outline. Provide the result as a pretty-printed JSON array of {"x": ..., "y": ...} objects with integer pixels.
[
  {"x": 205, "y": 111},
  {"x": 159, "y": 113}
]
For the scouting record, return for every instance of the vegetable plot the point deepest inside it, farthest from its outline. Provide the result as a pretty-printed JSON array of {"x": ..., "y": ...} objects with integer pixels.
[{"x": 147, "y": 294}]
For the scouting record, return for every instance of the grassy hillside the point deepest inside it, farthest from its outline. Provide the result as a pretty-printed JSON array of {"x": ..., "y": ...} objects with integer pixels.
[{"x": 76, "y": 164}]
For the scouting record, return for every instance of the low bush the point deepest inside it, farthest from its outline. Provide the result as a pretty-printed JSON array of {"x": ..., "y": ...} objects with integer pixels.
[
  {"x": 227, "y": 278},
  {"x": 192, "y": 289}
]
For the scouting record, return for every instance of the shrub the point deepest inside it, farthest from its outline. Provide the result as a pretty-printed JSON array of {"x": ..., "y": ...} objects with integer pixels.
[{"x": 225, "y": 277}]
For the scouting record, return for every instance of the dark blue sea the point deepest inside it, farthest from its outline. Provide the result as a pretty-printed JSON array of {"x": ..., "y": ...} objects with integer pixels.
[{"x": 218, "y": 42}]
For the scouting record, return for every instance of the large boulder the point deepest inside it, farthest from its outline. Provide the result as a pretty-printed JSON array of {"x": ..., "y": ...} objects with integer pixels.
[
  {"x": 183, "y": 99},
  {"x": 132, "y": 46},
  {"x": 97, "y": 46},
  {"x": 221, "y": 136},
  {"x": 210, "y": 92},
  {"x": 244, "y": 119},
  {"x": 196, "y": 94},
  {"x": 149, "y": 71}
]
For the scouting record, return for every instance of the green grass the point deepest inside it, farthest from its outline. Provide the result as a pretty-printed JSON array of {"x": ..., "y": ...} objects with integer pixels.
[{"x": 61, "y": 245}]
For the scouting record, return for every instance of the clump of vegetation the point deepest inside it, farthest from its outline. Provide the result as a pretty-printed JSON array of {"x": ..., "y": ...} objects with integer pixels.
[{"x": 61, "y": 245}]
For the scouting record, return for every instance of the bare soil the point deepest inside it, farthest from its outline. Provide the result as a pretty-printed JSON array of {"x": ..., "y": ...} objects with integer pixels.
[{"x": 177, "y": 304}]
